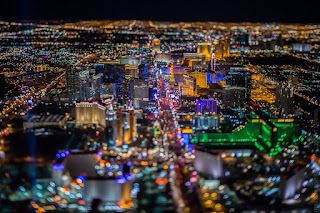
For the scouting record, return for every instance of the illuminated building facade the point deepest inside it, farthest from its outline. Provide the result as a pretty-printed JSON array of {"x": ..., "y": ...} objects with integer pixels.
[
  {"x": 114, "y": 73},
  {"x": 296, "y": 47},
  {"x": 163, "y": 57},
  {"x": 72, "y": 79},
  {"x": 233, "y": 96},
  {"x": 189, "y": 86},
  {"x": 208, "y": 164},
  {"x": 284, "y": 99},
  {"x": 205, "y": 48},
  {"x": 205, "y": 121},
  {"x": 156, "y": 45},
  {"x": 290, "y": 184},
  {"x": 201, "y": 79},
  {"x": 195, "y": 56},
  {"x": 126, "y": 127},
  {"x": 139, "y": 90},
  {"x": 131, "y": 71},
  {"x": 206, "y": 106},
  {"x": 143, "y": 71},
  {"x": 130, "y": 60},
  {"x": 222, "y": 49},
  {"x": 264, "y": 134},
  {"x": 90, "y": 113},
  {"x": 240, "y": 77},
  {"x": 90, "y": 85}
]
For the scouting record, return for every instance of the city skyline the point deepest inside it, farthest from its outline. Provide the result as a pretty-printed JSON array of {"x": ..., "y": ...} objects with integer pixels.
[{"x": 135, "y": 116}]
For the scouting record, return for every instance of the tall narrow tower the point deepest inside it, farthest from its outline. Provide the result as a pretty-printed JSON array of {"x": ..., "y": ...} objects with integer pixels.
[{"x": 172, "y": 80}]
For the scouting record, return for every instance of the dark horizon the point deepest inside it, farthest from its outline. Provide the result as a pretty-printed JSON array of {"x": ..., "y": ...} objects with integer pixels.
[
  {"x": 155, "y": 20},
  {"x": 187, "y": 11}
]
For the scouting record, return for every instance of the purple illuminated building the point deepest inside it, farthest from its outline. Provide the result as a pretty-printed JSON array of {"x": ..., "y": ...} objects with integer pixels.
[{"x": 206, "y": 105}]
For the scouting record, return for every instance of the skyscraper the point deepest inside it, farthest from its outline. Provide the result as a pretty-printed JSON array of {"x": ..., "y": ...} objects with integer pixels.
[
  {"x": 233, "y": 96},
  {"x": 240, "y": 77},
  {"x": 205, "y": 48},
  {"x": 72, "y": 79},
  {"x": 113, "y": 73},
  {"x": 284, "y": 99},
  {"x": 156, "y": 45},
  {"x": 201, "y": 79},
  {"x": 189, "y": 87},
  {"x": 90, "y": 85},
  {"x": 222, "y": 49}
]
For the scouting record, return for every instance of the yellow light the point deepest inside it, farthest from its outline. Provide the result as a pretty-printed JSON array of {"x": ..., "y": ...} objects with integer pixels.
[
  {"x": 186, "y": 209},
  {"x": 218, "y": 206},
  {"x": 208, "y": 202},
  {"x": 214, "y": 194}
]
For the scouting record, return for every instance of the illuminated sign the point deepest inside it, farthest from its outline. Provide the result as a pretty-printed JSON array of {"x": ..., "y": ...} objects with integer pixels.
[{"x": 187, "y": 130}]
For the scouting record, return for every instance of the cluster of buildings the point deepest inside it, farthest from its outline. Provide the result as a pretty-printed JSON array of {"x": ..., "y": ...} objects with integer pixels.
[{"x": 132, "y": 98}]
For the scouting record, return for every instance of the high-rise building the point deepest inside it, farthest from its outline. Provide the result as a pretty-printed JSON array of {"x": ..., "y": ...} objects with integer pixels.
[
  {"x": 130, "y": 60},
  {"x": 205, "y": 48},
  {"x": 201, "y": 79},
  {"x": 284, "y": 99},
  {"x": 189, "y": 86},
  {"x": 90, "y": 113},
  {"x": 242, "y": 39},
  {"x": 72, "y": 79},
  {"x": 222, "y": 49},
  {"x": 301, "y": 47},
  {"x": 114, "y": 73},
  {"x": 143, "y": 71},
  {"x": 156, "y": 45},
  {"x": 200, "y": 56},
  {"x": 139, "y": 89},
  {"x": 233, "y": 96},
  {"x": 133, "y": 124},
  {"x": 206, "y": 106},
  {"x": 126, "y": 127},
  {"x": 90, "y": 85},
  {"x": 240, "y": 77},
  {"x": 131, "y": 71},
  {"x": 2, "y": 86},
  {"x": 139, "y": 92},
  {"x": 163, "y": 58}
]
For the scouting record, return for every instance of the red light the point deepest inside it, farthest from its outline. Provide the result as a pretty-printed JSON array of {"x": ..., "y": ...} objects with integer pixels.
[
  {"x": 254, "y": 104},
  {"x": 81, "y": 202},
  {"x": 6, "y": 133}
]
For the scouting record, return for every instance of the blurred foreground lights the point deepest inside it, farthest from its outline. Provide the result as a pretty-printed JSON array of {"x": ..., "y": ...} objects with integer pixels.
[
  {"x": 128, "y": 177},
  {"x": 100, "y": 153},
  {"x": 120, "y": 180}
]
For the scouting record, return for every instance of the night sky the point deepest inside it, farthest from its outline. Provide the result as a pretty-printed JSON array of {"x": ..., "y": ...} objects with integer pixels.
[{"x": 306, "y": 11}]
